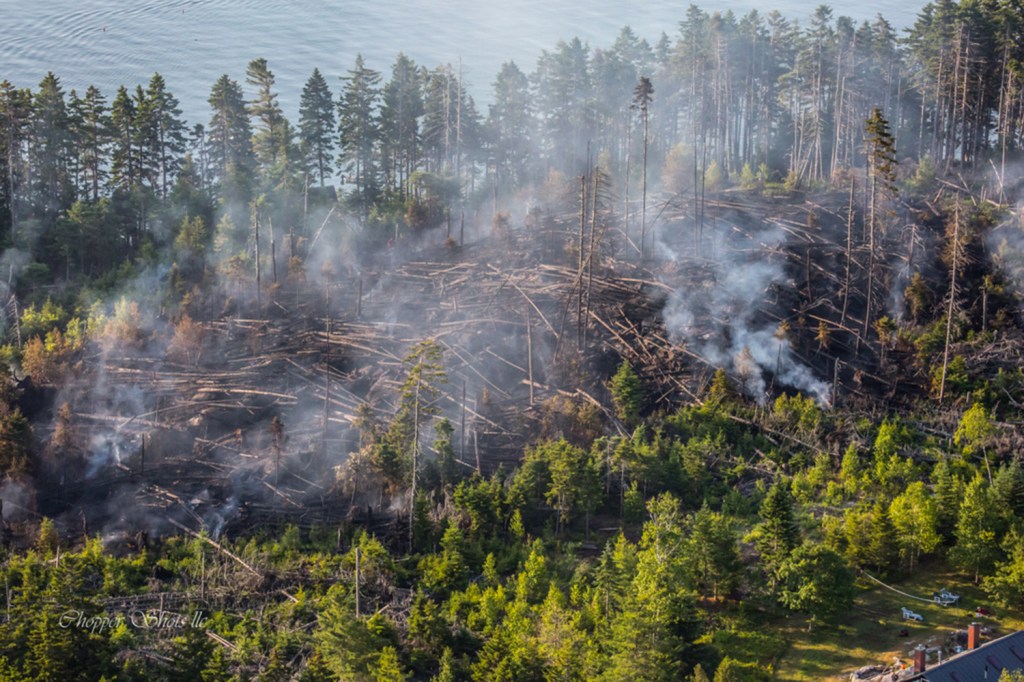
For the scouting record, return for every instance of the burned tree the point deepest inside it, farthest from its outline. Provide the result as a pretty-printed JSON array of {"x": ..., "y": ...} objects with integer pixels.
[{"x": 882, "y": 186}]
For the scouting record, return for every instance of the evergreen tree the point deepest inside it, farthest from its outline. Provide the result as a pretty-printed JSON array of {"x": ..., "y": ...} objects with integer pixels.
[
  {"x": 713, "y": 551},
  {"x": 564, "y": 96},
  {"x": 162, "y": 134},
  {"x": 124, "y": 172},
  {"x": 882, "y": 178},
  {"x": 627, "y": 394},
  {"x": 50, "y": 150},
  {"x": 401, "y": 110},
  {"x": 778, "y": 534},
  {"x": 317, "y": 125},
  {"x": 92, "y": 139},
  {"x": 15, "y": 119},
  {"x": 230, "y": 139},
  {"x": 511, "y": 125},
  {"x": 273, "y": 137},
  {"x": 359, "y": 126},
  {"x": 815, "y": 580}
]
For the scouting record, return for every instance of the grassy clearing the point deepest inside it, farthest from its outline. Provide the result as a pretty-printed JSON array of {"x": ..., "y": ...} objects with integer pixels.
[{"x": 870, "y": 634}]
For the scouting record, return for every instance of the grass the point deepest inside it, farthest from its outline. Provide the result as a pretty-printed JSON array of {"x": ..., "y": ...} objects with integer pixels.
[{"x": 870, "y": 633}]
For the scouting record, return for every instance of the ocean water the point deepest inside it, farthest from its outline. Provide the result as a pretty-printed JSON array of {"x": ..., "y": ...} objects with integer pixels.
[{"x": 108, "y": 43}]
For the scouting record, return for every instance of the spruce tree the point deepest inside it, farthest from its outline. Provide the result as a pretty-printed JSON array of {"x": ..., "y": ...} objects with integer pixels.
[
  {"x": 359, "y": 127},
  {"x": 317, "y": 126},
  {"x": 881, "y": 152},
  {"x": 401, "y": 111},
  {"x": 778, "y": 533}
]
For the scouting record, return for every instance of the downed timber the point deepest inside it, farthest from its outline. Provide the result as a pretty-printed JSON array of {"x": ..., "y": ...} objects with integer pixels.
[{"x": 216, "y": 545}]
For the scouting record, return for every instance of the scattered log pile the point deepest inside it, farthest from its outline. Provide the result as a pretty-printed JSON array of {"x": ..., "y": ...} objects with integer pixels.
[{"x": 519, "y": 323}]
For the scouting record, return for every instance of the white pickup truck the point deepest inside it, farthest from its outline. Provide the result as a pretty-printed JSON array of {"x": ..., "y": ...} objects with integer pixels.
[{"x": 910, "y": 615}]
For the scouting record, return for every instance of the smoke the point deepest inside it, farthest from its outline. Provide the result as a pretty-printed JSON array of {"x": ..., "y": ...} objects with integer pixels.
[
  {"x": 16, "y": 499},
  {"x": 724, "y": 320}
]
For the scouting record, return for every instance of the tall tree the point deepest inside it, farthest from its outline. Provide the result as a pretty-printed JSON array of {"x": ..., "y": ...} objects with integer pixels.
[
  {"x": 915, "y": 520},
  {"x": 401, "y": 110},
  {"x": 317, "y": 126},
  {"x": 564, "y": 97},
  {"x": 15, "y": 118},
  {"x": 230, "y": 139},
  {"x": 778, "y": 533},
  {"x": 92, "y": 138},
  {"x": 359, "y": 127},
  {"x": 881, "y": 152},
  {"x": 124, "y": 171},
  {"x": 511, "y": 124},
  {"x": 642, "y": 95},
  {"x": 977, "y": 530},
  {"x": 50, "y": 149},
  {"x": 273, "y": 135},
  {"x": 162, "y": 134}
]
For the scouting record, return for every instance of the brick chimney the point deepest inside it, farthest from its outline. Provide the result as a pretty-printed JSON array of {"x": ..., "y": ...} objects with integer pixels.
[
  {"x": 920, "y": 659},
  {"x": 973, "y": 636}
]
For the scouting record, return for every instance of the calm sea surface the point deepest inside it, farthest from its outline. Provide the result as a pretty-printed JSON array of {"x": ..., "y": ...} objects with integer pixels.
[{"x": 192, "y": 42}]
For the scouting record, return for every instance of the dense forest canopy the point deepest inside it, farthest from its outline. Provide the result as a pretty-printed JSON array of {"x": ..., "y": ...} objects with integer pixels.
[{"x": 649, "y": 369}]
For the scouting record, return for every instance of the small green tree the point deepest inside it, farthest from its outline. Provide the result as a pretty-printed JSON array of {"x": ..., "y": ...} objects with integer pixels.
[
  {"x": 915, "y": 519},
  {"x": 974, "y": 433},
  {"x": 816, "y": 581},
  {"x": 627, "y": 394},
  {"x": 777, "y": 534},
  {"x": 977, "y": 530}
]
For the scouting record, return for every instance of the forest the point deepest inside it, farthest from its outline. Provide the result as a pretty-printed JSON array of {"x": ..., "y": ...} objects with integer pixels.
[{"x": 688, "y": 359}]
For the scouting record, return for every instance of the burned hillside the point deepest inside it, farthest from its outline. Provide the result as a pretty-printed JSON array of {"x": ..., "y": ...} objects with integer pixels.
[{"x": 256, "y": 402}]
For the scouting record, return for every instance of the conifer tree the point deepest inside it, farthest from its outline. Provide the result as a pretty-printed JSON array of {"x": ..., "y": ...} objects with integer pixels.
[
  {"x": 359, "y": 127},
  {"x": 881, "y": 152},
  {"x": 230, "y": 139},
  {"x": 401, "y": 111},
  {"x": 317, "y": 126}
]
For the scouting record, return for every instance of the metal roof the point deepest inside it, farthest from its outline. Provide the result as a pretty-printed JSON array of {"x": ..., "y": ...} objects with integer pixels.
[{"x": 983, "y": 664}]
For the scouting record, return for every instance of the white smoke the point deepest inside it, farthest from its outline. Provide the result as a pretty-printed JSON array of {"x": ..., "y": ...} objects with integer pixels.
[{"x": 721, "y": 319}]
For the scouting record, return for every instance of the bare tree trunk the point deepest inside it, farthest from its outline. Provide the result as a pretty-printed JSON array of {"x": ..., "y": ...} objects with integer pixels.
[
  {"x": 415, "y": 458},
  {"x": 357, "y": 581},
  {"x": 952, "y": 300},
  {"x": 849, "y": 253}
]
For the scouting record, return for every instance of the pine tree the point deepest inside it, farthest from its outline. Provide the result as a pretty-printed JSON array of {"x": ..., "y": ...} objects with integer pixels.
[
  {"x": 92, "y": 136},
  {"x": 642, "y": 95},
  {"x": 230, "y": 139},
  {"x": 124, "y": 171},
  {"x": 50, "y": 149},
  {"x": 401, "y": 110},
  {"x": 15, "y": 112},
  {"x": 317, "y": 126},
  {"x": 162, "y": 134},
  {"x": 627, "y": 394},
  {"x": 778, "y": 533},
  {"x": 881, "y": 152},
  {"x": 511, "y": 124},
  {"x": 359, "y": 127},
  {"x": 273, "y": 137}
]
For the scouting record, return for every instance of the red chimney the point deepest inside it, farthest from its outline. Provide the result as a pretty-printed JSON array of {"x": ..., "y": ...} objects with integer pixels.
[
  {"x": 919, "y": 659},
  {"x": 973, "y": 636}
]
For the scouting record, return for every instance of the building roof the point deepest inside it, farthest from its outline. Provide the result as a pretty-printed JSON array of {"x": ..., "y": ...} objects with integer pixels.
[{"x": 978, "y": 665}]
